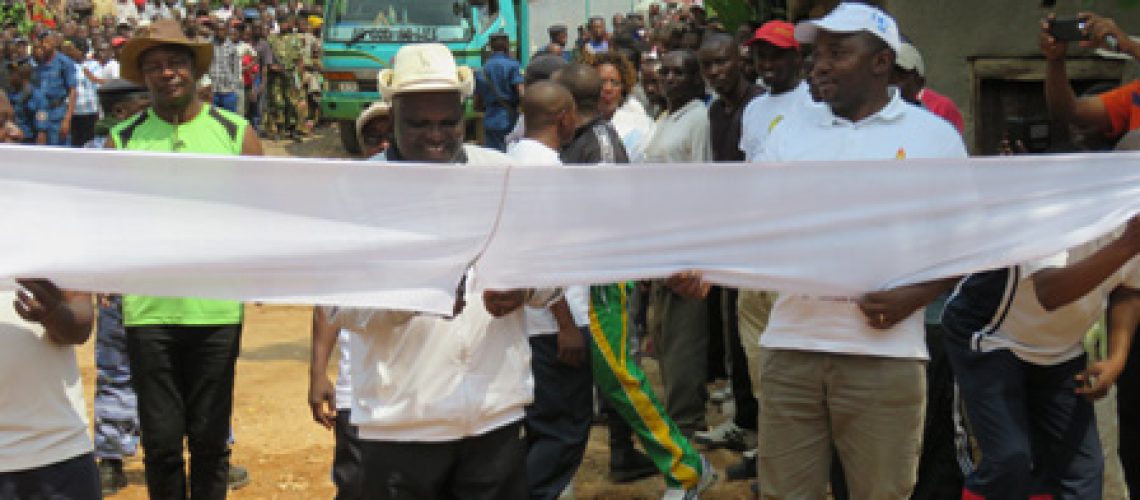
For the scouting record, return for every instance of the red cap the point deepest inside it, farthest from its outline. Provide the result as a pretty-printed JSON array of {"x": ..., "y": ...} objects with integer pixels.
[
  {"x": 779, "y": 33},
  {"x": 118, "y": 41}
]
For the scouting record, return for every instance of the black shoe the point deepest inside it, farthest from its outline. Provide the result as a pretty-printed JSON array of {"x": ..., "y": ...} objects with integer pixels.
[
  {"x": 744, "y": 469},
  {"x": 111, "y": 476},
  {"x": 238, "y": 477},
  {"x": 630, "y": 465}
]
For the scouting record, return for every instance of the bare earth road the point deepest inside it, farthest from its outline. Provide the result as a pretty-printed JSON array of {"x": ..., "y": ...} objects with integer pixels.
[{"x": 288, "y": 456}]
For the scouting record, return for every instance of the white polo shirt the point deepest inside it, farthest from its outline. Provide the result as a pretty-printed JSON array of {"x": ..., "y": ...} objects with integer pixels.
[
  {"x": 540, "y": 321},
  {"x": 765, "y": 112},
  {"x": 682, "y": 136},
  {"x": 898, "y": 131}
]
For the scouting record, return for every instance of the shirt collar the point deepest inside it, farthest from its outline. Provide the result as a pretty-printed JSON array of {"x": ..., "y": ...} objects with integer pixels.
[
  {"x": 687, "y": 108},
  {"x": 894, "y": 110}
]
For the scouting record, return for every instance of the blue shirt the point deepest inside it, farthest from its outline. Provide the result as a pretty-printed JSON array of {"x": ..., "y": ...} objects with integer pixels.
[
  {"x": 54, "y": 80},
  {"x": 497, "y": 85},
  {"x": 31, "y": 111}
]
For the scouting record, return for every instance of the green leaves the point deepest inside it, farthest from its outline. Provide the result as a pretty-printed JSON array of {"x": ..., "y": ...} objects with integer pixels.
[
  {"x": 733, "y": 13},
  {"x": 15, "y": 12}
]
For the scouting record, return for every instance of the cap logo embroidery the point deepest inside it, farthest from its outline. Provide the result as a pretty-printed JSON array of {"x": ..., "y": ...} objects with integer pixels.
[{"x": 880, "y": 22}]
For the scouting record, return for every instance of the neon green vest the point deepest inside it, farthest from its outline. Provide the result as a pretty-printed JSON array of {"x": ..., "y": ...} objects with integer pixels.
[{"x": 213, "y": 131}]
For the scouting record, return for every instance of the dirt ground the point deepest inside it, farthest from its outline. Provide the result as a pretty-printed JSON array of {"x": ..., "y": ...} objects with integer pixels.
[{"x": 289, "y": 456}]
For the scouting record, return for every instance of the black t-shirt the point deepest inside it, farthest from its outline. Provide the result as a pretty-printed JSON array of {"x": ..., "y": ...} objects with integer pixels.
[
  {"x": 595, "y": 142},
  {"x": 725, "y": 127}
]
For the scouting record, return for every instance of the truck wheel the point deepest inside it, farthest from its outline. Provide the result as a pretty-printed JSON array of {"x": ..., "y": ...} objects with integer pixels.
[{"x": 348, "y": 136}]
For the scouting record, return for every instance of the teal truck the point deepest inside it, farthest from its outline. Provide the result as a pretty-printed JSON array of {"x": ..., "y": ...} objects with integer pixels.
[{"x": 361, "y": 36}]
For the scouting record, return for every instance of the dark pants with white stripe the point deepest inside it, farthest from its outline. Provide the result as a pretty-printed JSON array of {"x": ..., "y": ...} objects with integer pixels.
[{"x": 1037, "y": 436}]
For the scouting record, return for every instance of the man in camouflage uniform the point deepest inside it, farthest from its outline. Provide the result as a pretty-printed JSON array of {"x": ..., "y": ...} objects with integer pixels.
[{"x": 284, "y": 91}]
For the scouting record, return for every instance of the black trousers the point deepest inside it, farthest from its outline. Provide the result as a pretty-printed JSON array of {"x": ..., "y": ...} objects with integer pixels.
[
  {"x": 82, "y": 129},
  {"x": 558, "y": 422},
  {"x": 1128, "y": 411},
  {"x": 489, "y": 466},
  {"x": 347, "y": 459},
  {"x": 76, "y": 478},
  {"x": 184, "y": 378},
  {"x": 747, "y": 407}
]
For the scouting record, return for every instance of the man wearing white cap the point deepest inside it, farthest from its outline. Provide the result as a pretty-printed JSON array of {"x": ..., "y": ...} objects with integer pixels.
[
  {"x": 909, "y": 76},
  {"x": 848, "y": 373},
  {"x": 439, "y": 402}
]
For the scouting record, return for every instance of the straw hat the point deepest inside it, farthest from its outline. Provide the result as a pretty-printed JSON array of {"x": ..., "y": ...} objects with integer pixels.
[
  {"x": 164, "y": 32},
  {"x": 425, "y": 67},
  {"x": 377, "y": 109}
]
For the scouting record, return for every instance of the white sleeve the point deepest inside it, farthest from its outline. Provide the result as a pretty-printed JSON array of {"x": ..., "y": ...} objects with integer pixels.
[
  {"x": 702, "y": 142},
  {"x": 543, "y": 297},
  {"x": 1054, "y": 261}
]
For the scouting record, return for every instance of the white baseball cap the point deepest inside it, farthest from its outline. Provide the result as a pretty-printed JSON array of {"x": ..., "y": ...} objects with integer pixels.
[
  {"x": 909, "y": 59},
  {"x": 851, "y": 17},
  {"x": 425, "y": 67}
]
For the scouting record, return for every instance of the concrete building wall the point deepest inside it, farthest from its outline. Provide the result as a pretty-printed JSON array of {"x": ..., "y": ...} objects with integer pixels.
[{"x": 572, "y": 13}]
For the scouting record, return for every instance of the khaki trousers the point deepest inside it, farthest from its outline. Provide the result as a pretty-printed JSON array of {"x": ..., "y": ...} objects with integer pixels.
[
  {"x": 753, "y": 308},
  {"x": 869, "y": 408}
]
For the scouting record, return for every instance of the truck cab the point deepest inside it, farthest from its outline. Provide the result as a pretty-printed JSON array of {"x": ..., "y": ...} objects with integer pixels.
[{"x": 361, "y": 37}]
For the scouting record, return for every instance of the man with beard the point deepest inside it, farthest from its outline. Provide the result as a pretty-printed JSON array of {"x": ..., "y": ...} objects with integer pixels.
[{"x": 182, "y": 350}]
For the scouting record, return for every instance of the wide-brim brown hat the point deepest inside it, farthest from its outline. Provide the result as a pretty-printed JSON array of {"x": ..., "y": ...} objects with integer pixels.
[{"x": 164, "y": 32}]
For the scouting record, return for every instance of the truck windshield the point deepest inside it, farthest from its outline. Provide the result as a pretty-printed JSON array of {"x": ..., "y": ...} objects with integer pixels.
[{"x": 398, "y": 21}]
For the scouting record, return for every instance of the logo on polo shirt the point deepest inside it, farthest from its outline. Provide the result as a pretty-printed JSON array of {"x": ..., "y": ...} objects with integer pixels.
[
  {"x": 900, "y": 154},
  {"x": 775, "y": 121}
]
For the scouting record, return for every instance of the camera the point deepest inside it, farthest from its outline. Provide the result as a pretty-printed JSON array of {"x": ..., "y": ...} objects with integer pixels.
[{"x": 1068, "y": 30}]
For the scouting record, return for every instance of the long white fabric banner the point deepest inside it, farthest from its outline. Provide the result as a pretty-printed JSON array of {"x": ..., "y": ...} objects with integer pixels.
[{"x": 400, "y": 235}]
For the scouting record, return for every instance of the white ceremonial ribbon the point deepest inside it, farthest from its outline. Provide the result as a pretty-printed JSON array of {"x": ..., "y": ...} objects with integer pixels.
[{"x": 353, "y": 233}]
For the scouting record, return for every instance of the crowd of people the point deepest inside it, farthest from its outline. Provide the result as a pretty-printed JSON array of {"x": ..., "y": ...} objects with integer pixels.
[
  {"x": 266, "y": 67},
  {"x": 973, "y": 387}
]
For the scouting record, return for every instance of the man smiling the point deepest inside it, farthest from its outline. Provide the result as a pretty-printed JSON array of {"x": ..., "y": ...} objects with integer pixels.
[
  {"x": 182, "y": 350},
  {"x": 848, "y": 374}
]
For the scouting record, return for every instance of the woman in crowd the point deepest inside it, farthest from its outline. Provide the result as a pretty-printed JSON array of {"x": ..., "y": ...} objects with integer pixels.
[{"x": 626, "y": 113}]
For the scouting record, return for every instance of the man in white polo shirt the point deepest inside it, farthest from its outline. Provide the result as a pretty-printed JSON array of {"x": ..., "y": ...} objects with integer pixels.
[
  {"x": 849, "y": 373},
  {"x": 776, "y": 56}
]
